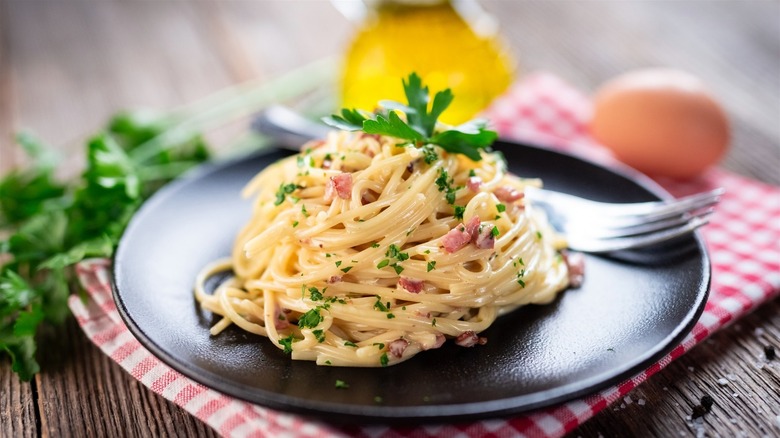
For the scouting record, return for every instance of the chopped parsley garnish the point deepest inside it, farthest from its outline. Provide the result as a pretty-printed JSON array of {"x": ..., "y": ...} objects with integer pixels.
[
  {"x": 419, "y": 128},
  {"x": 393, "y": 252},
  {"x": 347, "y": 269},
  {"x": 444, "y": 183},
  {"x": 472, "y": 173},
  {"x": 287, "y": 343},
  {"x": 390, "y": 316},
  {"x": 283, "y": 191},
  {"x": 429, "y": 154},
  {"x": 334, "y": 299},
  {"x": 340, "y": 384},
  {"x": 315, "y": 294},
  {"x": 380, "y": 345},
  {"x": 295, "y": 224},
  {"x": 303, "y": 211},
  {"x": 338, "y": 263},
  {"x": 310, "y": 319},
  {"x": 501, "y": 208},
  {"x": 520, "y": 276},
  {"x": 539, "y": 235},
  {"x": 433, "y": 323},
  {"x": 494, "y": 232},
  {"x": 431, "y": 266},
  {"x": 383, "y": 359},
  {"x": 350, "y": 344},
  {"x": 319, "y": 334},
  {"x": 450, "y": 197},
  {"x": 441, "y": 180},
  {"x": 375, "y": 245},
  {"x": 380, "y": 306},
  {"x": 459, "y": 210}
]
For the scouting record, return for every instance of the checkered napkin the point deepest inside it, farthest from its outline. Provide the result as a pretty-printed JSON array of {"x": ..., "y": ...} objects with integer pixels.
[{"x": 743, "y": 239}]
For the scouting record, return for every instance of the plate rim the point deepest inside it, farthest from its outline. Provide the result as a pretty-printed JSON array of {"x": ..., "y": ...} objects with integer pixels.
[{"x": 421, "y": 414}]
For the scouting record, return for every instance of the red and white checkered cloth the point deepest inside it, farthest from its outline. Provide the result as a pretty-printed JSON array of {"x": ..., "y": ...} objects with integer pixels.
[{"x": 743, "y": 239}]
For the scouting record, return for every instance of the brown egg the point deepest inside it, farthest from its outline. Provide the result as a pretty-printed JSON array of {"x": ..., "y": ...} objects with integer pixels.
[{"x": 661, "y": 122}]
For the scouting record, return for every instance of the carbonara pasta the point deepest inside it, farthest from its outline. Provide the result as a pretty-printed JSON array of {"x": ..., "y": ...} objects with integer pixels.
[{"x": 364, "y": 251}]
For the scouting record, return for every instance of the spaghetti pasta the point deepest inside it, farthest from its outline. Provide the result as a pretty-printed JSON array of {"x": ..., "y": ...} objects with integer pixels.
[{"x": 365, "y": 250}]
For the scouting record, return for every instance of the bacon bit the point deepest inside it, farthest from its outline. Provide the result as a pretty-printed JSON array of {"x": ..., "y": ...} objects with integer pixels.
[
  {"x": 485, "y": 239},
  {"x": 470, "y": 339},
  {"x": 334, "y": 279},
  {"x": 575, "y": 262},
  {"x": 508, "y": 194},
  {"x": 473, "y": 183},
  {"x": 340, "y": 185},
  {"x": 473, "y": 227},
  {"x": 456, "y": 239},
  {"x": 410, "y": 284},
  {"x": 398, "y": 347}
]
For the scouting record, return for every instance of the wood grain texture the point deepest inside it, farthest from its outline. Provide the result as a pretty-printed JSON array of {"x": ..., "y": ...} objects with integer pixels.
[
  {"x": 66, "y": 66},
  {"x": 18, "y": 417},
  {"x": 83, "y": 392},
  {"x": 730, "y": 367}
]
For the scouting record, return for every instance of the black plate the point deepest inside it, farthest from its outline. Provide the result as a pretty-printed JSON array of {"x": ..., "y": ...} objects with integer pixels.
[{"x": 623, "y": 318}]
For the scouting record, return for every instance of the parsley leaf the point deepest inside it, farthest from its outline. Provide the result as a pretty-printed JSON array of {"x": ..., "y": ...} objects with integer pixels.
[
  {"x": 50, "y": 225},
  {"x": 392, "y": 126},
  {"x": 420, "y": 126},
  {"x": 310, "y": 319},
  {"x": 348, "y": 120},
  {"x": 287, "y": 343}
]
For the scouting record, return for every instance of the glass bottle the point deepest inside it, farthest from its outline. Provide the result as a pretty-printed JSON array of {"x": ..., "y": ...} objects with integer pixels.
[{"x": 450, "y": 44}]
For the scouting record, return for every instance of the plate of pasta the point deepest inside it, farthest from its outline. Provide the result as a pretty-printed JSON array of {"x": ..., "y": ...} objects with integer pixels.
[
  {"x": 570, "y": 343},
  {"x": 393, "y": 271}
]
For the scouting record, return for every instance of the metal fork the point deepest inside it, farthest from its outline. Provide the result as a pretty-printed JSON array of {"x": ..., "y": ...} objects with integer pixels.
[
  {"x": 599, "y": 227},
  {"x": 589, "y": 226}
]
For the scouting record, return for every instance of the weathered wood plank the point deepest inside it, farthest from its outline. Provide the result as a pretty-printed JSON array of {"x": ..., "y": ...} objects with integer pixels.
[
  {"x": 83, "y": 392},
  {"x": 17, "y": 405},
  {"x": 729, "y": 367}
]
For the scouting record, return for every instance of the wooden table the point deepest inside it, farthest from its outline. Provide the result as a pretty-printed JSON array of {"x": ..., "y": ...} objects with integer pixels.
[{"x": 65, "y": 66}]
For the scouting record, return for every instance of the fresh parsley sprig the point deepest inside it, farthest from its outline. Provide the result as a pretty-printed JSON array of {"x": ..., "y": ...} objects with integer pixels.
[
  {"x": 47, "y": 225},
  {"x": 420, "y": 126}
]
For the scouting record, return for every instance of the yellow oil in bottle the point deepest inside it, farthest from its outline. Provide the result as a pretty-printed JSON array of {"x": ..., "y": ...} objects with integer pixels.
[{"x": 433, "y": 39}]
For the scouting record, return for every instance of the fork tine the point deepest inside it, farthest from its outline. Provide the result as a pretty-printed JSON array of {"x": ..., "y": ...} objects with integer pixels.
[
  {"x": 635, "y": 229},
  {"x": 658, "y": 210},
  {"x": 599, "y": 245}
]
